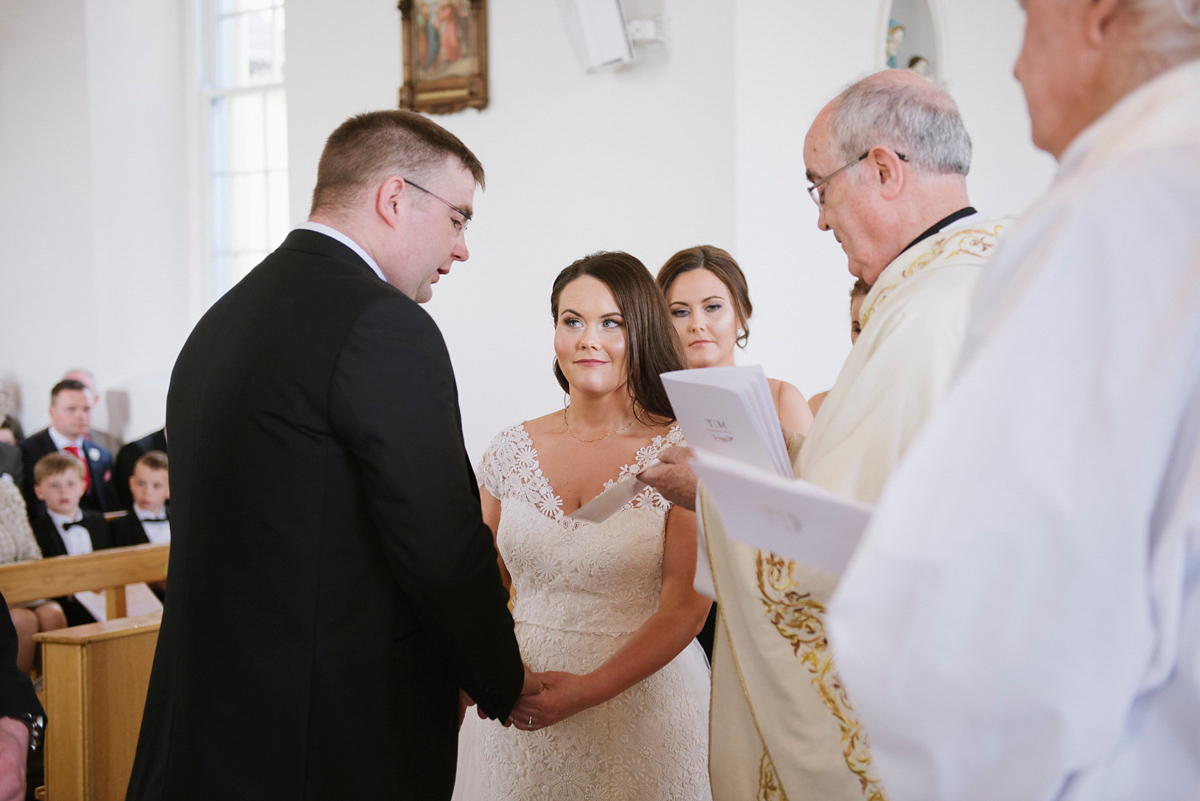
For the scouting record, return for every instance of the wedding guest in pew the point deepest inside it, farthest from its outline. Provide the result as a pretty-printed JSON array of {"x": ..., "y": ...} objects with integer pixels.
[
  {"x": 148, "y": 520},
  {"x": 67, "y": 529},
  {"x": 857, "y": 293},
  {"x": 11, "y": 464},
  {"x": 710, "y": 306},
  {"x": 10, "y": 430},
  {"x": 22, "y": 719},
  {"x": 86, "y": 377},
  {"x": 70, "y": 421},
  {"x": 127, "y": 457},
  {"x": 17, "y": 544}
]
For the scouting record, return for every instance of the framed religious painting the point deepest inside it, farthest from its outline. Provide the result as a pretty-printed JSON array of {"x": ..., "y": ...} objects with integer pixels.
[{"x": 445, "y": 55}]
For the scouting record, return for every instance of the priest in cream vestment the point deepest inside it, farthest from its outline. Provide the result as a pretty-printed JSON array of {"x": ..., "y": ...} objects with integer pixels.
[
  {"x": 1022, "y": 617},
  {"x": 782, "y": 725}
]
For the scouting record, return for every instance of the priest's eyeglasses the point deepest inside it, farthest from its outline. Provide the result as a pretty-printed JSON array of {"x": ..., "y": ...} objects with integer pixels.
[
  {"x": 814, "y": 190},
  {"x": 462, "y": 224}
]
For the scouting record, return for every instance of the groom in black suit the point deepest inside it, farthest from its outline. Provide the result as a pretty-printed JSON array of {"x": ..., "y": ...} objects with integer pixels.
[{"x": 332, "y": 583}]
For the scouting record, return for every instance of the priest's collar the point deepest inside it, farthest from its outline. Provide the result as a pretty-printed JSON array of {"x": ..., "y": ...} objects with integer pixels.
[{"x": 942, "y": 223}]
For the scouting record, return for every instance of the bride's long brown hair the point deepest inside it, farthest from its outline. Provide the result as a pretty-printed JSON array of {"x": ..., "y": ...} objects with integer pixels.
[{"x": 651, "y": 342}]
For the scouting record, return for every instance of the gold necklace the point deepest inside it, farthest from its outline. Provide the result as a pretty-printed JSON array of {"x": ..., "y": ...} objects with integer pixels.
[{"x": 597, "y": 439}]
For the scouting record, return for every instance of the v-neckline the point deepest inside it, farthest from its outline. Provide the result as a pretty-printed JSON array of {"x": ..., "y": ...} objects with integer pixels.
[{"x": 557, "y": 505}]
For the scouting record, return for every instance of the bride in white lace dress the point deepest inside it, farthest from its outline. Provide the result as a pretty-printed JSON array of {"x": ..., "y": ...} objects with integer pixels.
[{"x": 605, "y": 613}]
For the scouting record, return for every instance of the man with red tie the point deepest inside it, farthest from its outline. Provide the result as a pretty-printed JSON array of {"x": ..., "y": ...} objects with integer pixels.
[{"x": 70, "y": 420}]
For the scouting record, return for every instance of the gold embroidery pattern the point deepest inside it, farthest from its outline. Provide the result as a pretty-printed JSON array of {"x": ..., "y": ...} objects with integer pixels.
[
  {"x": 798, "y": 619},
  {"x": 769, "y": 788},
  {"x": 976, "y": 242}
]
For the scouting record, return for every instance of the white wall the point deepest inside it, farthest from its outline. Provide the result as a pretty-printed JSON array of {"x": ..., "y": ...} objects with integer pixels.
[
  {"x": 698, "y": 143},
  {"x": 93, "y": 204},
  {"x": 640, "y": 160}
]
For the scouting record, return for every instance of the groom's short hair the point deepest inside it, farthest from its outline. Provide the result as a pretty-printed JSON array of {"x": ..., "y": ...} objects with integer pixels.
[{"x": 369, "y": 147}]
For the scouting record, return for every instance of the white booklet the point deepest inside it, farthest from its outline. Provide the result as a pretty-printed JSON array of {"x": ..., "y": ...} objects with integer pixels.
[
  {"x": 790, "y": 517},
  {"x": 729, "y": 411}
]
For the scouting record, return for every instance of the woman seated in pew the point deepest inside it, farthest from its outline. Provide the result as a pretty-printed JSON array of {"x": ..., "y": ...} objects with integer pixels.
[{"x": 18, "y": 545}]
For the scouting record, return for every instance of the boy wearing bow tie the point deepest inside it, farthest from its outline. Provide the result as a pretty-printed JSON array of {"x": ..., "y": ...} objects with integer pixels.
[{"x": 66, "y": 529}]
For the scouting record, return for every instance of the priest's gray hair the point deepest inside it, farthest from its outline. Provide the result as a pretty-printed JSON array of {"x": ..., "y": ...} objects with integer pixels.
[
  {"x": 1169, "y": 30},
  {"x": 920, "y": 122}
]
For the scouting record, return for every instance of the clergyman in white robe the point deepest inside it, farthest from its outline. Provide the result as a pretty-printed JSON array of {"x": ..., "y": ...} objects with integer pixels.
[
  {"x": 1022, "y": 619},
  {"x": 782, "y": 727}
]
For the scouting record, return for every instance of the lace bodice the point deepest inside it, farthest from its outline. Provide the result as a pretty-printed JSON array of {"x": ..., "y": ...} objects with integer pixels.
[{"x": 568, "y": 574}]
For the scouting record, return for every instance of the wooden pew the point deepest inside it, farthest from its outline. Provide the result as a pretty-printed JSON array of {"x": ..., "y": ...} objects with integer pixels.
[
  {"x": 109, "y": 570},
  {"x": 94, "y": 676}
]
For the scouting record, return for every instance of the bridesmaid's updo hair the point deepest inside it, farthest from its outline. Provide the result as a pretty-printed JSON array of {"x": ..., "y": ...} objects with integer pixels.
[
  {"x": 651, "y": 343},
  {"x": 723, "y": 266}
]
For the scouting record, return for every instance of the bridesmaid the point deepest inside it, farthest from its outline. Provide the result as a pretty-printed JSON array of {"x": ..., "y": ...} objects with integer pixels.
[{"x": 710, "y": 305}]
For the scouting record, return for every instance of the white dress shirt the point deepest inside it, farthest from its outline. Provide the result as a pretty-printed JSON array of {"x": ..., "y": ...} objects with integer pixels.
[
  {"x": 159, "y": 531},
  {"x": 76, "y": 539},
  {"x": 333, "y": 233}
]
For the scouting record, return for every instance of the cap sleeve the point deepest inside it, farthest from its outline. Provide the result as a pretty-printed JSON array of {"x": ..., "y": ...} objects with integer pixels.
[{"x": 498, "y": 463}]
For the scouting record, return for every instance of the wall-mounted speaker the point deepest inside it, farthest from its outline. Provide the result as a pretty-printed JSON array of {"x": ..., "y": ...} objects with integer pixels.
[{"x": 598, "y": 32}]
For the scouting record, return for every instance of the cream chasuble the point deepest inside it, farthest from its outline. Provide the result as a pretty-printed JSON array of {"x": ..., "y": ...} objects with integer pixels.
[
  {"x": 781, "y": 725},
  {"x": 1022, "y": 617}
]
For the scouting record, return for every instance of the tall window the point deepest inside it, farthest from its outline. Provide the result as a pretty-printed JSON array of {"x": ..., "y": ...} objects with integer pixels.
[{"x": 246, "y": 111}]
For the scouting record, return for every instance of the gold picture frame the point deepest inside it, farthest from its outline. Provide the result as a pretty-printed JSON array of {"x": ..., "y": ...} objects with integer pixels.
[{"x": 445, "y": 55}]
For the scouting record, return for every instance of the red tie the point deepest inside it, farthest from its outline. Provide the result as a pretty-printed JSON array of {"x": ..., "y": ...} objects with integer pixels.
[{"x": 87, "y": 473}]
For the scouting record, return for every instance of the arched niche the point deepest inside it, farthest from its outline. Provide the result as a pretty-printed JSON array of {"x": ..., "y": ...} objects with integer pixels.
[{"x": 921, "y": 37}]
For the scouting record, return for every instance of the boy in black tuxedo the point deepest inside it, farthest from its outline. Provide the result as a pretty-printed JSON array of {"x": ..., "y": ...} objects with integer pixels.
[
  {"x": 150, "y": 489},
  {"x": 66, "y": 529}
]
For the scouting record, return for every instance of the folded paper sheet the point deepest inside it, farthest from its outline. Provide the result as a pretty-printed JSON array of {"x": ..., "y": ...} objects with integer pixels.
[
  {"x": 790, "y": 517},
  {"x": 609, "y": 502}
]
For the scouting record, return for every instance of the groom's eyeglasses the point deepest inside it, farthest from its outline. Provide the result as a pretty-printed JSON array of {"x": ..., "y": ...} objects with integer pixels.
[{"x": 462, "y": 224}]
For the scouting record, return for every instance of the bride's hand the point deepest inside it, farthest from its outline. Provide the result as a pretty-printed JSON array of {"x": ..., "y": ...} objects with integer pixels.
[{"x": 562, "y": 695}]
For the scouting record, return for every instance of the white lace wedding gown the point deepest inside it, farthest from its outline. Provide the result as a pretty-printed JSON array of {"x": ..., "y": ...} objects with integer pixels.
[{"x": 581, "y": 591}]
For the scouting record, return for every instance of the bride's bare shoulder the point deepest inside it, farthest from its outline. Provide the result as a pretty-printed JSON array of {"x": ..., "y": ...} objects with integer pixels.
[{"x": 546, "y": 424}]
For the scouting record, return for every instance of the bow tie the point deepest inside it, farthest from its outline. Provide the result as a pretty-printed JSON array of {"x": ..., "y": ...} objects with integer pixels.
[
  {"x": 74, "y": 523},
  {"x": 156, "y": 520}
]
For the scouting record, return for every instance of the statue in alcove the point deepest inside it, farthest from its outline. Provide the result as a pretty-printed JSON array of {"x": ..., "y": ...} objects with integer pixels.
[{"x": 894, "y": 37}]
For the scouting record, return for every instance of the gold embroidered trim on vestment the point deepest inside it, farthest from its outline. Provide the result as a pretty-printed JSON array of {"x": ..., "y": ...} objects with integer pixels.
[
  {"x": 799, "y": 619},
  {"x": 969, "y": 241},
  {"x": 769, "y": 788}
]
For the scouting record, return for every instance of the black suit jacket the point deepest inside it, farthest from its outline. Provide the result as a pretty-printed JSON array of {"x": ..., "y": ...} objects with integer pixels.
[
  {"x": 100, "y": 496},
  {"x": 127, "y": 457},
  {"x": 128, "y": 529},
  {"x": 17, "y": 697},
  {"x": 332, "y": 582},
  {"x": 11, "y": 463},
  {"x": 51, "y": 544}
]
